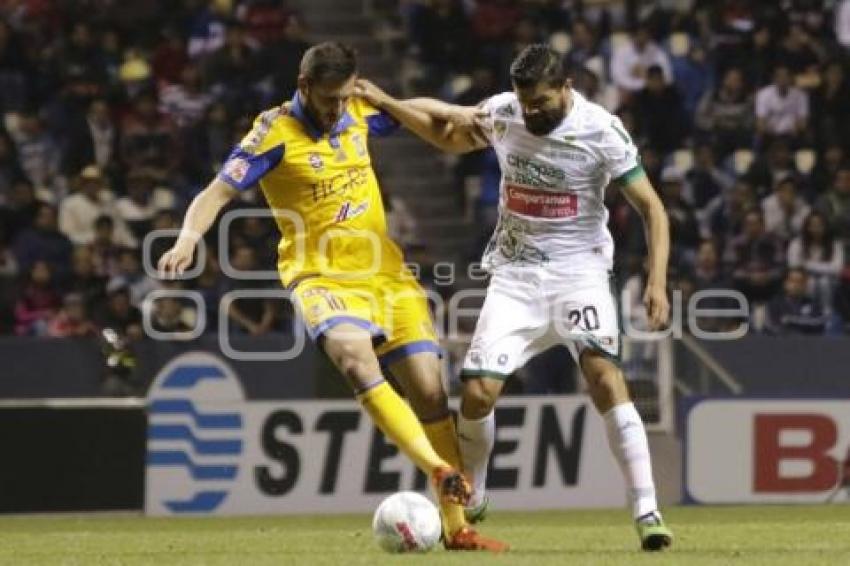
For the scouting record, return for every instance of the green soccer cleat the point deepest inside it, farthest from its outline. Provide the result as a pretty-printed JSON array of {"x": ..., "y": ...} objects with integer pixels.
[
  {"x": 478, "y": 513},
  {"x": 654, "y": 534}
]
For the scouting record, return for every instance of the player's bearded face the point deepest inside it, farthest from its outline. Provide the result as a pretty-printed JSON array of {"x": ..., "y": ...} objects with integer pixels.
[
  {"x": 326, "y": 102},
  {"x": 543, "y": 108}
]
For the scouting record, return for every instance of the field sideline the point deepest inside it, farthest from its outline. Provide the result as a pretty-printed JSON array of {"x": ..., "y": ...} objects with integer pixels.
[{"x": 766, "y": 535}]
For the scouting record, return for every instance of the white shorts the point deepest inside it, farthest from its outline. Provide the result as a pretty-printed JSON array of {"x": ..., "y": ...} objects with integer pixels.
[{"x": 530, "y": 309}]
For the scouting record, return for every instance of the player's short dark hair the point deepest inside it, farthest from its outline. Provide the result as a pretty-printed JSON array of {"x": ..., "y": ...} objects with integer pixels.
[
  {"x": 536, "y": 64},
  {"x": 329, "y": 62}
]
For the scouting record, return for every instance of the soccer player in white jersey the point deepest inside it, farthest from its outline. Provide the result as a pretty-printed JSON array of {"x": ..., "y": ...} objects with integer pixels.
[{"x": 551, "y": 256}]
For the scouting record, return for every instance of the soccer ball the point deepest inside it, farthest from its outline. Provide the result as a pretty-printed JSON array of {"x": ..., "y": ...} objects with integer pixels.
[{"x": 407, "y": 522}]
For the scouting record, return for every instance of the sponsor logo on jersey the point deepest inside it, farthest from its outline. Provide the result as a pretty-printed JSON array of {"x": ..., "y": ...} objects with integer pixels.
[
  {"x": 347, "y": 211},
  {"x": 527, "y": 171},
  {"x": 237, "y": 169},
  {"x": 316, "y": 161},
  {"x": 541, "y": 204}
]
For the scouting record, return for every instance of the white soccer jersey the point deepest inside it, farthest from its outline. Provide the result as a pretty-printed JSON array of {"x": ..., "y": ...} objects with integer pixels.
[{"x": 551, "y": 205}]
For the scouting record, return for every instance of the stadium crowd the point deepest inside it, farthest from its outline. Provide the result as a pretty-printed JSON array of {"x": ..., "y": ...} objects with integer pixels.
[{"x": 115, "y": 114}]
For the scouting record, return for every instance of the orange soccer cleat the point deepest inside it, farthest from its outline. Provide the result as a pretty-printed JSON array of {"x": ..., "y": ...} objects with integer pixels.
[
  {"x": 468, "y": 539},
  {"x": 451, "y": 486}
]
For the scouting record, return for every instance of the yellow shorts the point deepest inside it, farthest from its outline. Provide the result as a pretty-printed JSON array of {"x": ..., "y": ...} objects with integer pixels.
[{"x": 393, "y": 308}]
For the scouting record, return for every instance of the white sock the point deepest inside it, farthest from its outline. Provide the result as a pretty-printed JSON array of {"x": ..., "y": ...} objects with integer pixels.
[
  {"x": 476, "y": 439},
  {"x": 627, "y": 438}
]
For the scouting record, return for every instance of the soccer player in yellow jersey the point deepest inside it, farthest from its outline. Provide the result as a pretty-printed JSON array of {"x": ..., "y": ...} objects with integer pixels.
[{"x": 358, "y": 300}]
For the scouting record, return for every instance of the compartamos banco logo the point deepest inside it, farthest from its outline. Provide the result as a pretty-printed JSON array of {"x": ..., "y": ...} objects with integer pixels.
[{"x": 195, "y": 435}]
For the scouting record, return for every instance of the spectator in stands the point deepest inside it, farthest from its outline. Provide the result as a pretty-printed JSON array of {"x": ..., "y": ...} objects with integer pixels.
[
  {"x": 19, "y": 211},
  {"x": 211, "y": 284},
  {"x": 284, "y": 57},
  {"x": 584, "y": 46},
  {"x": 770, "y": 167},
  {"x": 708, "y": 275},
  {"x": 494, "y": 20},
  {"x": 207, "y": 29},
  {"x": 792, "y": 312},
  {"x": 661, "y": 116},
  {"x": 170, "y": 57},
  {"x": 705, "y": 181},
  {"x": 92, "y": 199},
  {"x": 93, "y": 140},
  {"x": 828, "y": 164},
  {"x": 756, "y": 259},
  {"x": 144, "y": 199},
  {"x": 233, "y": 70},
  {"x": 84, "y": 280},
  {"x": 630, "y": 63},
  {"x": 264, "y": 20},
  {"x": 785, "y": 210},
  {"x": 781, "y": 108},
  {"x": 684, "y": 228},
  {"x": 761, "y": 59},
  {"x": 10, "y": 170},
  {"x": 72, "y": 320},
  {"x": 38, "y": 303},
  {"x": 550, "y": 15},
  {"x": 723, "y": 217},
  {"x": 9, "y": 277},
  {"x": 693, "y": 78},
  {"x": 440, "y": 34},
  {"x": 835, "y": 204},
  {"x": 831, "y": 104},
  {"x": 525, "y": 32},
  {"x": 254, "y": 316},
  {"x": 119, "y": 314},
  {"x": 802, "y": 54},
  {"x": 842, "y": 23},
  {"x": 39, "y": 155},
  {"x": 821, "y": 255},
  {"x": 170, "y": 316},
  {"x": 15, "y": 67},
  {"x": 130, "y": 274},
  {"x": 261, "y": 235},
  {"x": 44, "y": 242},
  {"x": 209, "y": 143},
  {"x": 725, "y": 116},
  {"x": 186, "y": 102},
  {"x": 149, "y": 139},
  {"x": 104, "y": 249}
]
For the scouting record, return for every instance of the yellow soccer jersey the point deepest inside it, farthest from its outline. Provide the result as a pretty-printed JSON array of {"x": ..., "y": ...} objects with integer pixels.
[{"x": 322, "y": 190}]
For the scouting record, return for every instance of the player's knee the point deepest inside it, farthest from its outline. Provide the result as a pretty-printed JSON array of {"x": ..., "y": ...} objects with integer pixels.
[
  {"x": 477, "y": 401},
  {"x": 607, "y": 387},
  {"x": 430, "y": 404},
  {"x": 354, "y": 362}
]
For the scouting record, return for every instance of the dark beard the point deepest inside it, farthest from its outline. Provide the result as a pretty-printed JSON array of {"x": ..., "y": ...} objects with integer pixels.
[{"x": 544, "y": 123}]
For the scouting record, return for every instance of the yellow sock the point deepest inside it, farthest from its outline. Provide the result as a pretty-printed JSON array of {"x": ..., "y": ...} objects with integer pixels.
[
  {"x": 394, "y": 417},
  {"x": 443, "y": 437}
]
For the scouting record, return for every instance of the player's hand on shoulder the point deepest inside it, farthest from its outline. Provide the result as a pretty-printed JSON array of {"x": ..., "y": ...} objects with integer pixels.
[{"x": 370, "y": 92}]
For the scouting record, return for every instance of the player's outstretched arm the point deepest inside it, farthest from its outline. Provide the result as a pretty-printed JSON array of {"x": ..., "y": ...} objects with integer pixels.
[
  {"x": 200, "y": 215},
  {"x": 451, "y": 128},
  {"x": 642, "y": 196}
]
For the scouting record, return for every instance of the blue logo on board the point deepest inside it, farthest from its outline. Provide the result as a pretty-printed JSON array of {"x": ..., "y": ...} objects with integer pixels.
[{"x": 195, "y": 435}]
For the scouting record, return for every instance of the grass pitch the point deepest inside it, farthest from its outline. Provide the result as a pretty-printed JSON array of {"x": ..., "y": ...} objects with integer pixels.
[{"x": 705, "y": 535}]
